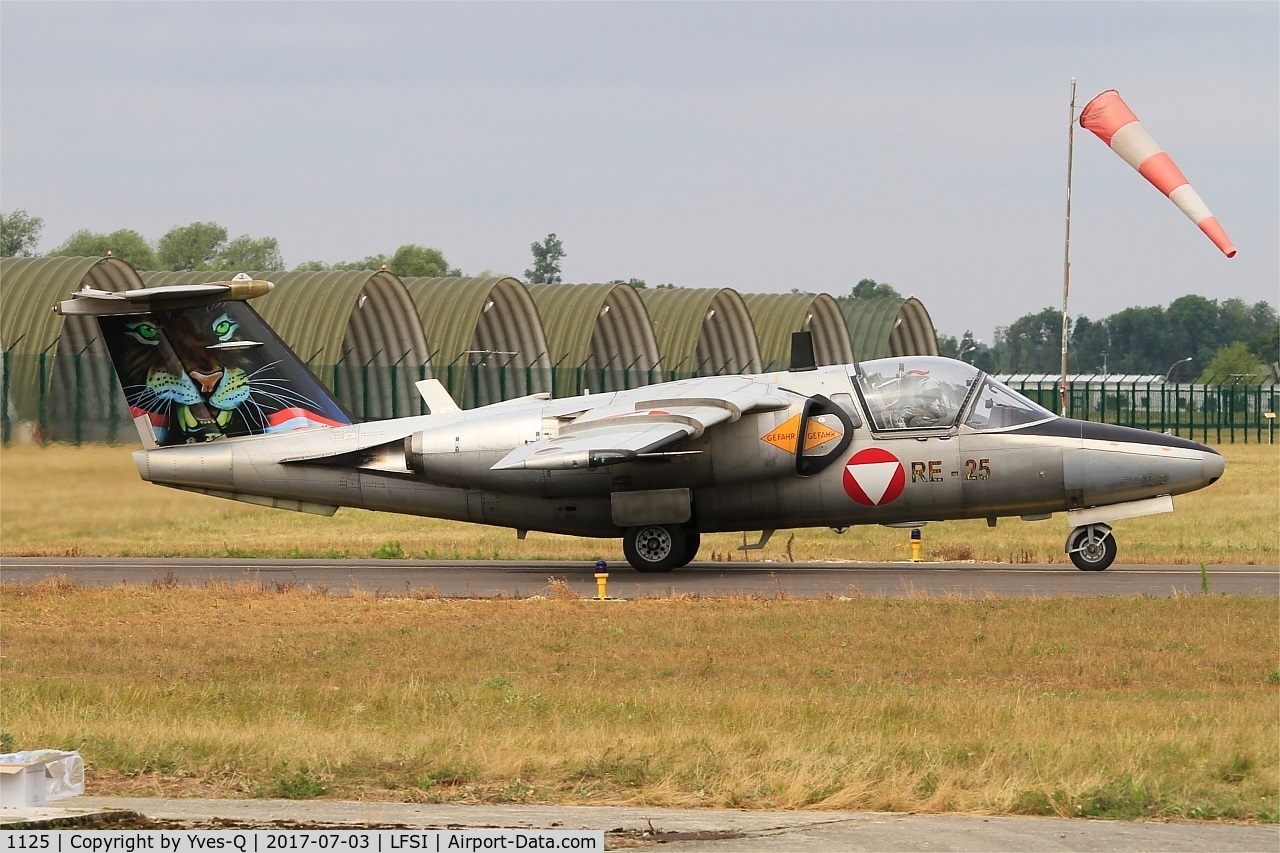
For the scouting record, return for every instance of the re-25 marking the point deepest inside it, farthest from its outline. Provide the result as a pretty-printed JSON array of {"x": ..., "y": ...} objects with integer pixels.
[{"x": 931, "y": 471}]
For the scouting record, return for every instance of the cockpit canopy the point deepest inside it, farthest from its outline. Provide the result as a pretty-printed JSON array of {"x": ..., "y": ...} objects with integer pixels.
[{"x": 922, "y": 392}]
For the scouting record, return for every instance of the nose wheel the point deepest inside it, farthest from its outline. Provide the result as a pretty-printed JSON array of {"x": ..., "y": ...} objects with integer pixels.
[
  {"x": 1092, "y": 547},
  {"x": 659, "y": 547}
]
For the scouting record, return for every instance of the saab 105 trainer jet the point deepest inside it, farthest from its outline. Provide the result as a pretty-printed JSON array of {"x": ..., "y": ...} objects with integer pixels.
[{"x": 224, "y": 408}]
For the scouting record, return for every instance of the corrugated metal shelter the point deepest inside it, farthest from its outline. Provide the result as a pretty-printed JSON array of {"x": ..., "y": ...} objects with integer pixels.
[
  {"x": 703, "y": 332},
  {"x": 57, "y": 374},
  {"x": 600, "y": 335},
  {"x": 475, "y": 323},
  {"x": 776, "y": 315},
  {"x": 358, "y": 330},
  {"x": 881, "y": 328}
]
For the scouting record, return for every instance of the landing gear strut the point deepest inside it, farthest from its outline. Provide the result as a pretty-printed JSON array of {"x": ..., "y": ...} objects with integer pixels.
[
  {"x": 659, "y": 547},
  {"x": 1092, "y": 547}
]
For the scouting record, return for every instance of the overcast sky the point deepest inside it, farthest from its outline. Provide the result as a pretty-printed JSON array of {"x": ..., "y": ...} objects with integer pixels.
[{"x": 763, "y": 146}]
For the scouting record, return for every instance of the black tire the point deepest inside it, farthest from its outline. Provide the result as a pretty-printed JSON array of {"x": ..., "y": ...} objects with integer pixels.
[
  {"x": 1092, "y": 550},
  {"x": 655, "y": 547},
  {"x": 692, "y": 542}
]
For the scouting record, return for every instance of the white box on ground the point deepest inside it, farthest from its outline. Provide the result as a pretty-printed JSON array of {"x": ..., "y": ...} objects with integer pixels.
[{"x": 33, "y": 778}]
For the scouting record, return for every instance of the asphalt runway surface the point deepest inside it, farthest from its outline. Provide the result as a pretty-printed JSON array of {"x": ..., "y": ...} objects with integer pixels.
[{"x": 522, "y": 579}]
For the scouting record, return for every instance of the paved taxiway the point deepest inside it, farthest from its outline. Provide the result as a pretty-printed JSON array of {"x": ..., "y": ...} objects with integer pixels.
[
  {"x": 708, "y": 829},
  {"x": 519, "y": 579}
]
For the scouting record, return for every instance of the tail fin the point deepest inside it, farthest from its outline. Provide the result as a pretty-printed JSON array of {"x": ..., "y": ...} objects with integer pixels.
[{"x": 197, "y": 363}]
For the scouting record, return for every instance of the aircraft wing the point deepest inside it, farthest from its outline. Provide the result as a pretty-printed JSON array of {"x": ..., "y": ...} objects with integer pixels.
[{"x": 638, "y": 423}]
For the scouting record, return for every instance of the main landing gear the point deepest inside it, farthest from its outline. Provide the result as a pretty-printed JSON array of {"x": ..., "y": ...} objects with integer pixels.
[
  {"x": 660, "y": 547},
  {"x": 1092, "y": 547}
]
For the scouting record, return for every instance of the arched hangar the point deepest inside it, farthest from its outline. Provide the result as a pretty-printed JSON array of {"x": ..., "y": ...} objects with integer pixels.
[
  {"x": 600, "y": 335},
  {"x": 476, "y": 323},
  {"x": 702, "y": 332},
  {"x": 881, "y": 328},
  {"x": 777, "y": 315},
  {"x": 56, "y": 371},
  {"x": 357, "y": 330}
]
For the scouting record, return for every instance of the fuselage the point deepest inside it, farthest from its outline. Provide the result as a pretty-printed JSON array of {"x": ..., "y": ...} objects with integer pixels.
[{"x": 897, "y": 441}]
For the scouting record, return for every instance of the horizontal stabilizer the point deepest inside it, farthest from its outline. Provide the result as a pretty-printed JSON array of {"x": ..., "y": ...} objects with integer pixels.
[{"x": 146, "y": 300}]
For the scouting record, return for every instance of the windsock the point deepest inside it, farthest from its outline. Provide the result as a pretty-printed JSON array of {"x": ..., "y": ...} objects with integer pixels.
[{"x": 1114, "y": 123}]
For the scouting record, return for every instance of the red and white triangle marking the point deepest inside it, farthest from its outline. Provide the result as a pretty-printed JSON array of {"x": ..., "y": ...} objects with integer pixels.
[{"x": 874, "y": 476}]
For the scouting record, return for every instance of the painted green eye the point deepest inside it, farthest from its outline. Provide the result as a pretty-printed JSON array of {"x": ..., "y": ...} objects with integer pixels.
[
  {"x": 144, "y": 332},
  {"x": 224, "y": 327}
]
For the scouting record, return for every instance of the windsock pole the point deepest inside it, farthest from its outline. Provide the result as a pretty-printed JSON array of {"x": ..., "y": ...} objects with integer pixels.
[
  {"x": 1111, "y": 120},
  {"x": 1066, "y": 254}
]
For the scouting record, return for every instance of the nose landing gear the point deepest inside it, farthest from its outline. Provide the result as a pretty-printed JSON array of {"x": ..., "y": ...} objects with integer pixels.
[{"x": 1092, "y": 547}]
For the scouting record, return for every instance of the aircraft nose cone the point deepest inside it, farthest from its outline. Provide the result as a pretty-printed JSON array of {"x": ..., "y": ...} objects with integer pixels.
[{"x": 1214, "y": 465}]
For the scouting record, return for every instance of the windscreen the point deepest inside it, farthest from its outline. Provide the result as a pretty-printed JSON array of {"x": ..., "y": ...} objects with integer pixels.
[
  {"x": 999, "y": 406},
  {"x": 917, "y": 392}
]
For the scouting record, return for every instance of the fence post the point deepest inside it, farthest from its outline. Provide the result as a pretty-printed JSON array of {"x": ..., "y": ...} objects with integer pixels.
[
  {"x": 395, "y": 385},
  {"x": 42, "y": 410},
  {"x": 109, "y": 398},
  {"x": 626, "y": 372},
  {"x": 79, "y": 397},
  {"x": 6, "y": 425},
  {"x": 502, "y": 377}
]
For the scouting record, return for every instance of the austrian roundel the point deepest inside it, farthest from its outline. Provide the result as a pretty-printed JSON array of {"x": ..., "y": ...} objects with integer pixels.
[{"x": 874, "y": 477}]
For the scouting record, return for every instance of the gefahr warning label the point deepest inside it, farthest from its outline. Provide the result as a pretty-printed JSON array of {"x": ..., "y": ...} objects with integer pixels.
[{"x": 784, "y": 436}]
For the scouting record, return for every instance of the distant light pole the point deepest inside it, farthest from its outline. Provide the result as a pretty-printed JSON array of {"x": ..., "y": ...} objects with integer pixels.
[
  {"x": 973, "y": 345},
  {"x": 1174, "y": 365}
]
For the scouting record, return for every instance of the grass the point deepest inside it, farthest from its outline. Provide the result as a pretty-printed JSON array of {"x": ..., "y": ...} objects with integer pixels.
[
  {"x": 1135, "y": 707},
  {"x": 61, "y": 500}
]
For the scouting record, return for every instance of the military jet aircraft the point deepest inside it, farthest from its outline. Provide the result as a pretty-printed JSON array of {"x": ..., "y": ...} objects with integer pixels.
[{"x": 224, "y": 408}]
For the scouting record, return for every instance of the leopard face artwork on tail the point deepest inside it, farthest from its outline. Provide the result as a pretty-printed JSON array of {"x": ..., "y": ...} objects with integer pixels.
[{"x": 202, "y": 373}]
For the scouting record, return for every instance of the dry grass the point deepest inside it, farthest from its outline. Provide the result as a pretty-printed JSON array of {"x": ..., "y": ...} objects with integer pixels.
[
  {"x": 1104, "y": 707},
  {"x": 63, "y": 500}
]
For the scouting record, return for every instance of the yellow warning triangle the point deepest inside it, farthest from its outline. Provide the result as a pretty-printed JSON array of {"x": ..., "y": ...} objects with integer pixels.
[
  {"x": 785, "y": 436},
  {"x": 817, "y": 433}
]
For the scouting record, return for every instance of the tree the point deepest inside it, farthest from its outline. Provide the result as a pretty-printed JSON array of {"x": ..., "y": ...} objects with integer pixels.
[
  {"x": 1031, "y": 344},
  {"x": 371, "y": 262},
  {"x": 869, "y": 288},
  {"x": 1090, "y": 346},
  {"x": 127, "y": 245},
  {"x": 191, "y": 247},
  {"x": 546, "y": 261},
  {"x": 1265, "y": 341},
  {"x": 1234, "y": 364},
  {"x": 19, "y": 234},
  {"x": 245, "y": 253},
  {"x": 312, "y": 266},
  {"x": 1193, "y": 327},
  {"x": 412, "y": 261},
  {"x": 1136, "y": 335}
]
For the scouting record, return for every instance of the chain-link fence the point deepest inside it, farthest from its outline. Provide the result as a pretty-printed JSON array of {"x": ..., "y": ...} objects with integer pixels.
[{"x": 75, "y": 398}]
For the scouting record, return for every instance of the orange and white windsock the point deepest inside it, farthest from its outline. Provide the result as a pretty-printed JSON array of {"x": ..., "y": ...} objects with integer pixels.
[{"x": 1114, "y": 123}]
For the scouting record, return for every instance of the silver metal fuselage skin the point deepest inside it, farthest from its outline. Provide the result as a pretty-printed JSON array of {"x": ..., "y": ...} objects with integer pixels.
[{"x": 440, "y": 466}]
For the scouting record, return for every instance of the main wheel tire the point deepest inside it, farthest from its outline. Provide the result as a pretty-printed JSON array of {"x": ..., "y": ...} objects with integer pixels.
[
  {"x": 655, "y": 547},
  {"x": 692, "y": 542},
  {"x": 1091, "y": 549}
]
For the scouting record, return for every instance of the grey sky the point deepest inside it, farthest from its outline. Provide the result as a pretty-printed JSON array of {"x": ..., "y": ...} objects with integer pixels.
[{"x": 755, "y": 146}]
